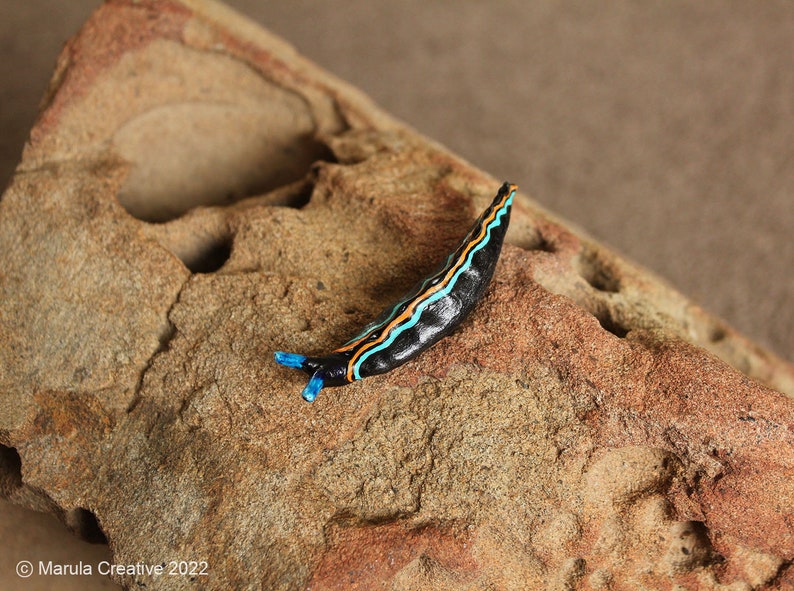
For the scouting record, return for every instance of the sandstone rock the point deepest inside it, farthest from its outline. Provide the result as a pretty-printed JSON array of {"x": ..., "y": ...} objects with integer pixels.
[{"x": 195, "y": 196}]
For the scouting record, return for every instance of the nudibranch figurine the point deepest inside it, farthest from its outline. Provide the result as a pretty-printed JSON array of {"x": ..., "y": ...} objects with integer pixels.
[{"x": 426, "y": 314}]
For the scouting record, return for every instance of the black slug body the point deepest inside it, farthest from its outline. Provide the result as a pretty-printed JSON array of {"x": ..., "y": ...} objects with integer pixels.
[{"x": 429, "y": 312}]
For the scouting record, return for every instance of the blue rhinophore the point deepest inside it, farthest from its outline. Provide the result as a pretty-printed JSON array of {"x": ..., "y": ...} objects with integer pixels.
[
  {"x": 289, "y": 359},
  {"x": 312, "y": 388}
]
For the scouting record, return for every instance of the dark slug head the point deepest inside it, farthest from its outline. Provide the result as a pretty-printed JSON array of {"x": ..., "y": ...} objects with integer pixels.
[{"x": 323, "y": 371}]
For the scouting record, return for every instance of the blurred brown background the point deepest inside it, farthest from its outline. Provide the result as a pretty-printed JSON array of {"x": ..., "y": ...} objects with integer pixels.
[{"x": 664, "y": 129}]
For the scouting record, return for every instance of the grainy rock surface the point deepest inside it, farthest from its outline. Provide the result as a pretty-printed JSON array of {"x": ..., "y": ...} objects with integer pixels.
[{"x": 195, "y": 196}]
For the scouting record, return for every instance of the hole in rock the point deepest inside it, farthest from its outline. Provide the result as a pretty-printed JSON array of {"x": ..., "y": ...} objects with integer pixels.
[
  {"x": 717, "y": 334},
  {"x": 691, "y": 546},
  {"x": 10, "y": 470},
  {"x": 187, "y": 155},
  {"x": 544, "y": 245},
  {"x": 537, "y": 242},
  {"x": 208, "y": 258},
  {"x": 597, "y": 273},
  {"x": 85, "y": 525},
  {"x": 609, "y": 324}
]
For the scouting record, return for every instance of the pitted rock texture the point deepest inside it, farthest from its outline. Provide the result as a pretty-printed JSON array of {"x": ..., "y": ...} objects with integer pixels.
[{"x": 196, "y": 196}]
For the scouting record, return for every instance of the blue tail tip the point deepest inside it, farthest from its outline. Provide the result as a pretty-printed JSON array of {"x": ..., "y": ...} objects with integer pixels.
[{"x": 289, "y": 359}]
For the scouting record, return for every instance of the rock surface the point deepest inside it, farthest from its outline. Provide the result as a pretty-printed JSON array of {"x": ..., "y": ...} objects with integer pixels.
[{"x": 195, "y": 196}]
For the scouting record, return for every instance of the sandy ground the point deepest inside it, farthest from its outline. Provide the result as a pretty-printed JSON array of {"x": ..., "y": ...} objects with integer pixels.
[{"x": 665, "y": 129}]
